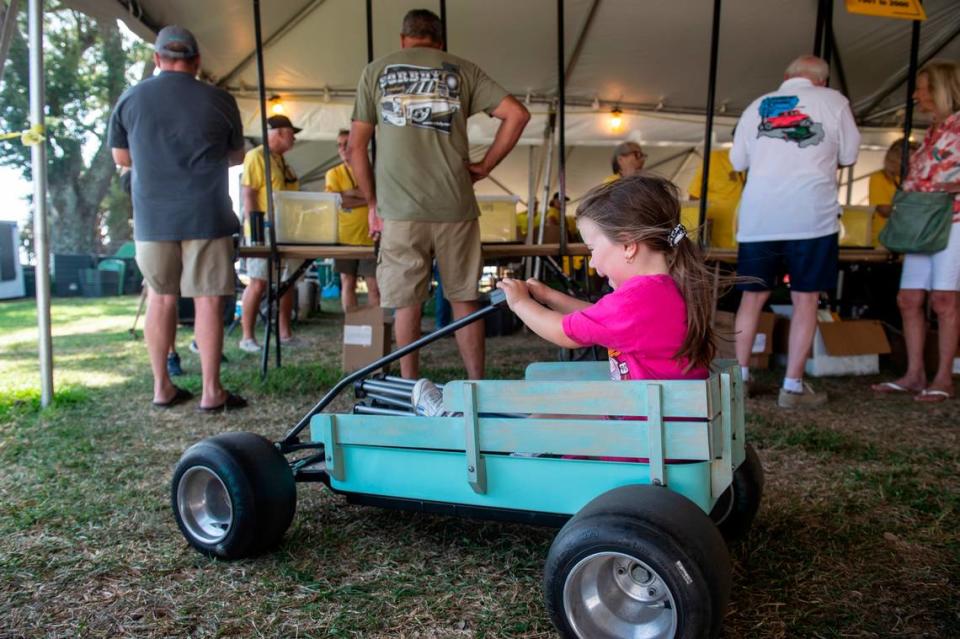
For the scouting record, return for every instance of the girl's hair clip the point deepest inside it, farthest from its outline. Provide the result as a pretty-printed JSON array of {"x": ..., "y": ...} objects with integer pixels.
[{"x": 678, "y": 233}]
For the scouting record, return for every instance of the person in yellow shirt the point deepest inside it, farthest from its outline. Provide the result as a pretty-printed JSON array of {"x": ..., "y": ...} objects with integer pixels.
[
  {"x": 354, "y": 230},
  {"x": 628, "y": 159},
  {"x": 280, "y": 136},
  {"x": 724, "y": 187},
  {"x": 553, "y": 220}
]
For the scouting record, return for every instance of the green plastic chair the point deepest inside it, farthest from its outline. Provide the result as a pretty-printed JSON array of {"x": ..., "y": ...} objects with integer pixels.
[{"x": 116, "y": 265}]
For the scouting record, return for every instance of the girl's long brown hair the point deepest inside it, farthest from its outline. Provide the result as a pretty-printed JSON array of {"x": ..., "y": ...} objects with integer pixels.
[{"x": 645, "y": 208}]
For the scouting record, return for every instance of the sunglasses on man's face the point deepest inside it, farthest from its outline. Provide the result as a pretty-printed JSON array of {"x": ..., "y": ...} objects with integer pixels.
[{"x": 637, "y": 154}]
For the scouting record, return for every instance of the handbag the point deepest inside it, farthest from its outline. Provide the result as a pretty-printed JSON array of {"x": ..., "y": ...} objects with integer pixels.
[{"x": 919, "y": 222}]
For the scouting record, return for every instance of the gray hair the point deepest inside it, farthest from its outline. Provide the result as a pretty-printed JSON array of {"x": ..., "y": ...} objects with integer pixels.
[{"x": 810, "y": 67}]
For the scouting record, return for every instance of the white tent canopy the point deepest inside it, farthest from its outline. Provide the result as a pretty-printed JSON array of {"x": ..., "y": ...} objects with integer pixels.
[{"x": 650, "y": 58}]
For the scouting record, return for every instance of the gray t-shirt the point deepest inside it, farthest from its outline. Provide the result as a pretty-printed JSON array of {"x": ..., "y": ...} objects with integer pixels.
[
  {"x": 179, "y": 132},
  {"x": 421, "y": 97}
]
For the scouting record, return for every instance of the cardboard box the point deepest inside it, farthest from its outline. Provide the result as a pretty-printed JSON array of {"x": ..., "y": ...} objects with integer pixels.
[
  {"x": 306, "y": 217},
  {"x": 723, "y": 326},
  {"x": 840, "y": 347},
  {"x": 498, "y": 218},
  {"x": 366, "y": 337}
]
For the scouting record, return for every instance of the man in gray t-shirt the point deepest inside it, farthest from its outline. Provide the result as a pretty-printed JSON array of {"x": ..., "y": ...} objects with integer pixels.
[
  {"x": 179, "y": 136},
  {"x": 423, "y": 204}
]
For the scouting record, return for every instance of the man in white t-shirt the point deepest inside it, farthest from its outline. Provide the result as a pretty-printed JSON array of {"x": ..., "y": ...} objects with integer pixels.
[{"x": 792, "y": 141}]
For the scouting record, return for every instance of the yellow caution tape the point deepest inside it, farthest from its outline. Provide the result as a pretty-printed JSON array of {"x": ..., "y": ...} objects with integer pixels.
[{"x": 33, "y": 135}]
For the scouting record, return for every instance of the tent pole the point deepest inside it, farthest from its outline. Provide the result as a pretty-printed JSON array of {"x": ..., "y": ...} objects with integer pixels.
[
  {"x": 531, "y": 196},
  {"x": 850, "y": 184},
  {"x": 708, "y": 133},
  {"x": 545, "y": 203},
  {"x": 561, "y": 107},
  {"x": 443, "y": 22},
  {"x": 373, "y": 138},
  {"x": 818, "y": 29},
  {"x": 273, "y": 261},
  {"x": 911, "y": 86},
  {"x": 38, "y": 156},
  {"x": 827, "y": 35}
]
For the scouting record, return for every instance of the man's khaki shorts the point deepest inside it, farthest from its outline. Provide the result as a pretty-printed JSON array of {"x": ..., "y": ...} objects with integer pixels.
[
  {"x": 407, "y": 250},
  {"x": 189, "y": 268},
  {"x": 257, "y": 268}
]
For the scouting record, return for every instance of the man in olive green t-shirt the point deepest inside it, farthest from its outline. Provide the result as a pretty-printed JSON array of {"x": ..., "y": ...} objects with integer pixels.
[{"x": 423, "y": 205}]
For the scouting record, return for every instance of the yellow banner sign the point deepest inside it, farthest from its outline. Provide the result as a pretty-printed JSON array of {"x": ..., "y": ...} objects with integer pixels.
[{"x": 903, "y": 9}]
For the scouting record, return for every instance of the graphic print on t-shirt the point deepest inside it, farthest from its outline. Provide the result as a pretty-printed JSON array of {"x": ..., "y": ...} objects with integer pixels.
[
  {"x": 780, "y": 118},
  {"x": 618, "y": 367},
  {"x": 421, "y": 97}
]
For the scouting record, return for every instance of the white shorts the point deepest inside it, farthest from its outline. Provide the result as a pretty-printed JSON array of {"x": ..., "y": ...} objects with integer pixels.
[
  {"x": 937, "y": 271},
  {"x": 257, "y": 268}
]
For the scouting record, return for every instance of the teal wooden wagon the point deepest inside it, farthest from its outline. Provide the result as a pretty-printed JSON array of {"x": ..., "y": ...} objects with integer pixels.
[{"x": 644, "y": 480}]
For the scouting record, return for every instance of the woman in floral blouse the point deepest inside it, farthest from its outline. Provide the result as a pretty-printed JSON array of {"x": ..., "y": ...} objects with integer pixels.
[{"x": 935, "y": 166}]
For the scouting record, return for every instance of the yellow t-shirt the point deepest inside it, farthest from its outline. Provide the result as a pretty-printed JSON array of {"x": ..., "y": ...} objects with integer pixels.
[
  {"x": 611, "y": 178},
  {"x": 282, "y": 176},
  {"x": 882, "y": 189},
  {"x": 724, "y": 185},
  {"x": 354, "y": 229}
]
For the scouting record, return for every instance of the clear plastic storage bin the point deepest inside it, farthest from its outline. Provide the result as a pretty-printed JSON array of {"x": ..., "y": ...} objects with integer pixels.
[
  {"x": 498, "y": 218},
  {"x": 306, "y": 217}
]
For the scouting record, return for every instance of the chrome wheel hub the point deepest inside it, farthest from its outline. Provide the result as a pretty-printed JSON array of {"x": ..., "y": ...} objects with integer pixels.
[
  {"x": 204, "y": 505},
  {"x": 613, "y": 595}
]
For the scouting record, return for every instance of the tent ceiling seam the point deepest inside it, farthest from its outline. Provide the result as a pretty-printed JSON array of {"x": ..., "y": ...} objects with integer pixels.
[{"x": 276, "y": 36}]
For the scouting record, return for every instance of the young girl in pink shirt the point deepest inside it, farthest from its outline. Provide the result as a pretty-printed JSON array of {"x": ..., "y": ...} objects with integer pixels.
[{"x": 656, "y": 322}]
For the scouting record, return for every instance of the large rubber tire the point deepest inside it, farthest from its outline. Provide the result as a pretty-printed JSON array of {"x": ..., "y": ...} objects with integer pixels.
[
  {"x": 233, "y": 495},
  {"x": 648, "y": 531},
  {"x": 737, "y": 507}
]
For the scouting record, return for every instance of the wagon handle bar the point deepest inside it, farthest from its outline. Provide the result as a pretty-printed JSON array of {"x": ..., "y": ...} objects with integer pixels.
[{"x": 496, "y": 298}]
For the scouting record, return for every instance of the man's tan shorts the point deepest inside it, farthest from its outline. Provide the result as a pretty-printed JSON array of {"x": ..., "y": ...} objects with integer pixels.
[
  {"x": 257, "y": 268},
  {"x": 407, "y": 250},
  {"x": 189, "y": 268}
]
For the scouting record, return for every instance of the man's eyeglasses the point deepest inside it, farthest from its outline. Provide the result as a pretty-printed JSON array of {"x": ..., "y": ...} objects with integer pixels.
[{"x": 640, "y": 155}]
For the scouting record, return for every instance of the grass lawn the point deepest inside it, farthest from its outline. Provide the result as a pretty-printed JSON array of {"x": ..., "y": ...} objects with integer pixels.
[{"x": 858, "y": 534}]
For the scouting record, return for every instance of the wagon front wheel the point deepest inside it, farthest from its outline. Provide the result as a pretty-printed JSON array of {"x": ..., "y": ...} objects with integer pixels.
[
  {"x": 638, "y": 561},
  {"x": 233, "y": 495}
]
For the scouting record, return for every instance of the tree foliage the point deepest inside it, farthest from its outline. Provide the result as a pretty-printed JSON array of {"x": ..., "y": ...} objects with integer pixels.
[{"x": 87, "y": 66}]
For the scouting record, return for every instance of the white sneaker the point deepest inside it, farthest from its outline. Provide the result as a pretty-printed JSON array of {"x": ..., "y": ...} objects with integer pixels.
[
  {"x": 427, "y": 399},
  {"x": 249, "y": 346}
]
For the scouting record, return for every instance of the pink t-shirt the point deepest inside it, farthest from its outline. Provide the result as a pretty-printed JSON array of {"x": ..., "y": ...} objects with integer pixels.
[{"x": 642, "y": 324}]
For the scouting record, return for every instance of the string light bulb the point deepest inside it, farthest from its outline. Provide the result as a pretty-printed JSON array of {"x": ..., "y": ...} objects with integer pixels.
[
  {"x": 616, "y": 119},
  {"x": 276, "y": 105}
]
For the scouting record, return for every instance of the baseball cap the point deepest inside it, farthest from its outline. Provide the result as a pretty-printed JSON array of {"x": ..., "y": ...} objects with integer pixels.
[
  {"x": 281, "y": 122},
  {"x": 185, "y": 45}
]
